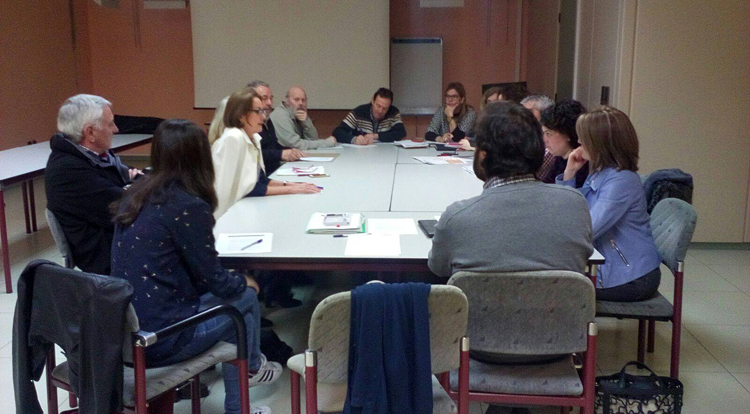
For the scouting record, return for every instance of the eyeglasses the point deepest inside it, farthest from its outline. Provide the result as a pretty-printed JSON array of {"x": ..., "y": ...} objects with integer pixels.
[
  {"x": 452, "y": 96},
  {"x": 262, "y": 112}
]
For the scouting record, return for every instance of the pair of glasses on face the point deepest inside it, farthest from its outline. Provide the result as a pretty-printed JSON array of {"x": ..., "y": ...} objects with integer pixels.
[
  {"x": 262, "y": 112},
  {"x": 452, "y": 96}
]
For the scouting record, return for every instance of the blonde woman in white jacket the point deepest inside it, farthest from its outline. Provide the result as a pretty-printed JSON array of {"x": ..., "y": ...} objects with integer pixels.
[{"x": 237, "y": 158}]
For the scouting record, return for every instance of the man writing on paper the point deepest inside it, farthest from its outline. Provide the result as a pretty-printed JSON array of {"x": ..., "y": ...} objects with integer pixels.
[
  {"x": 294, "y": 128},
  {"x": 378, "y": 120}
]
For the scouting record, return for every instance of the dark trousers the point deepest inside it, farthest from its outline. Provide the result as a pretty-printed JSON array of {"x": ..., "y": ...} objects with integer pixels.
[{"x": 645, "y": 287}]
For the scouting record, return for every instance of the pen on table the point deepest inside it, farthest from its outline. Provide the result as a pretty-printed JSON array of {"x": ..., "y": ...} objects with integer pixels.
[
  {"x": 319, "y": 187},
  {"x": 252, "y": 244},
  {"x": 339, "y": 235}
]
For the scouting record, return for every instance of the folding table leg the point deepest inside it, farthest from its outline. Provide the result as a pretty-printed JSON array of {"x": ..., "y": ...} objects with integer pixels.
[
  {"x": 25, "y": 191},
  {"x": 32, "y": 205},
  {"x": 5, "y": 247}
]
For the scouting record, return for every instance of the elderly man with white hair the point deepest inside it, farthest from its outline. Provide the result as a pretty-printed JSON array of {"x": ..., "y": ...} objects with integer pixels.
[{"x": 84, "y": 177}]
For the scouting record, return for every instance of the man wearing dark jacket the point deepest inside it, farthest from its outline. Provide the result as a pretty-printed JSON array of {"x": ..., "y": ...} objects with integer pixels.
[
  {"x": 84, "y": 177},
  {"x": 378, "y": 120},
  {"x": 273, "y": 152}
]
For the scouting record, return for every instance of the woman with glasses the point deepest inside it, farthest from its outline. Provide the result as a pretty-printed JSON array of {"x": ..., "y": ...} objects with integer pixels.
[
  {"x": 455, "y": 120},
  {"x": 560, "y": 138},
  {"x": 237, "y": 155}
]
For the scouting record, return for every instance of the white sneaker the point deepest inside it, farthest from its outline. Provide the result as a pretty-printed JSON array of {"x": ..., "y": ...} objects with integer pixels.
[
  {"x": 268, "y": 373},
  {"x": 260, "y": 410}
]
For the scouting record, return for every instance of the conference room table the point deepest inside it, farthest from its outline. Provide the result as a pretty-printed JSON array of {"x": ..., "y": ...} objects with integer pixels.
[
  {"x": 22, "y": 165},
  {"x": 379, "y": 181}
]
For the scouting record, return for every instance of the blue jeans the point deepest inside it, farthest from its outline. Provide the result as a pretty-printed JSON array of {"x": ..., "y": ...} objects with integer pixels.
[{"x": 221, "y": 328}]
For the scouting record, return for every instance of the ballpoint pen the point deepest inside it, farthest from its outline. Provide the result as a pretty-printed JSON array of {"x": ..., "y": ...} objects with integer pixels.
[{"x": 252, "y": 244}]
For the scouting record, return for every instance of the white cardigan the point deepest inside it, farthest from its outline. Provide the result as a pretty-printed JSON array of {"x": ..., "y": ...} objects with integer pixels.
[{"x": 237, "y": 159}]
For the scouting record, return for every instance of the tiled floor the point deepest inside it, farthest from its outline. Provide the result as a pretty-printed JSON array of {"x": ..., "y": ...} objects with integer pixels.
[{"x": 715, "y": 362}]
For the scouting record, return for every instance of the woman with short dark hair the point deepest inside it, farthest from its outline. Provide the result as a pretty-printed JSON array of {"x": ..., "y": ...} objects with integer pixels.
[
  {"x": 164, "y": 246},
  {"x": 617, "y": 202},
  {"x": 560, "y": 138},
  {"x": 454, "y": 120}
]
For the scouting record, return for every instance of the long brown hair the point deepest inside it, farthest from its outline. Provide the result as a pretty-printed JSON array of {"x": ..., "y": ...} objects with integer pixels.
[
  {"x": 462, "y": 108},
  {"x": 609, "y": 137},
  {"x": 180, "y": 154},
  {"x": 238, "y": 105}
]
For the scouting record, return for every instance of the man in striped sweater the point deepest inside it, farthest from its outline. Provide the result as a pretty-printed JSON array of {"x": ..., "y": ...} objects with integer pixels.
[{"x": 378, "y": 120}]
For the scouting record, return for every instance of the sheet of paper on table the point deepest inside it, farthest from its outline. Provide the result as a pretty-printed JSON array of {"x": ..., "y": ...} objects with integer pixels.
[
  {"x": 441, "y": 160},
  {"x": 297, "y": 171},
  {"x": 317, "y": 159},
  {"x": 469, "y": 169},
  {"x": 391, "y": 226},
  {"x": 373, "y": 245},
  {"x": 411, "y": 144},
  {"x": 359, "y": 146},
  {"x": 244, "y": 243}
]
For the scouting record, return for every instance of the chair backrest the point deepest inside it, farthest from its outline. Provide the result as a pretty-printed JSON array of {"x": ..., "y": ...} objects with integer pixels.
[
  {"x": 329, "y": 332},
  {"x": 672, "y": 225},
  {"x": 60, "y": 240},
  {"x": 527, "y": 313}
]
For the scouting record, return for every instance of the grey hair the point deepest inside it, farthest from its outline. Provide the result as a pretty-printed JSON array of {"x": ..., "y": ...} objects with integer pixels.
[
  {"x": 254, "y": 84},
  {"x": 79, "y": 111},
  {"x": 539, "y": 102}
]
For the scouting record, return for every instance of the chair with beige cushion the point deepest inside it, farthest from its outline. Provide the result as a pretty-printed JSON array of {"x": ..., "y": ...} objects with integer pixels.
[{"x": 328, "y": 350}]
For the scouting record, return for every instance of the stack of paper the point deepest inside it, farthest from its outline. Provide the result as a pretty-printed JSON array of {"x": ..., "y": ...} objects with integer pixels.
[
  {"x": 301, "y": 171},
  {"x": 391, "y": 226},
  {"x": 411, "y": 144},
  {"x": 373, "y": 245},
  {"x": 352, "y": 223},
  {"x": 244, "y": 243},
  {"x": 441, "y": 160}
]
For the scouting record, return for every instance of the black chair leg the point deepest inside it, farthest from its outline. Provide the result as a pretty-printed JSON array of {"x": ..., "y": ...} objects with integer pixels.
[
  {"x": 651, "y": 335},
  {"x": 641, "y": 340}
]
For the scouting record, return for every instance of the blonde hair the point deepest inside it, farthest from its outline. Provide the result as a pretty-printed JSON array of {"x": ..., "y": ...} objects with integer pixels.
[
  {"x": 217, "y": 123},
  {"x": 610, "y": 139}
]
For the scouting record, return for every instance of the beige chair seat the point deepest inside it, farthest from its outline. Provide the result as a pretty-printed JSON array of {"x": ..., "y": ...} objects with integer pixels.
[
  {"x": 162, "y": 379},
  {"x": 331, "y": 397}
]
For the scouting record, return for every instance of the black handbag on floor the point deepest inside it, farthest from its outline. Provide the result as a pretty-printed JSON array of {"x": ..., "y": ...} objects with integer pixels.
[{"x": 623, "y": 393}]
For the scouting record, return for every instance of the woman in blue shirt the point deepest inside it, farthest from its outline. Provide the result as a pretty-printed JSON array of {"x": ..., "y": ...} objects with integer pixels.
[
  {"x": 617, "y": 203},
  {"x": 164, "y": 246}
]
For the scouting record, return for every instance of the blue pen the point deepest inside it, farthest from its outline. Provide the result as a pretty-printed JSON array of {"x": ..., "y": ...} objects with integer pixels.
[
  {"x": 252, "y": 244},
  {"x": 320, "y": 188}
]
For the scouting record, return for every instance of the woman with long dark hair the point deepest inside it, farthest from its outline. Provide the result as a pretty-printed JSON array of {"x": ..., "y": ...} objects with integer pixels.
[
  {"x": 454, "y": 120},
  {"x": 164, "y": 246}
]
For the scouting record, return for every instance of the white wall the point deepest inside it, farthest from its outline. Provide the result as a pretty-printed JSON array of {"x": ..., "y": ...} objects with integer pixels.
[
  {"x": 337, "y": 50},
  {"x": 681, "y": 70}
]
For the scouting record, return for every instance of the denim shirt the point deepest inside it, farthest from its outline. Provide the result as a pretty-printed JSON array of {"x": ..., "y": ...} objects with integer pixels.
[{"x": 620, "y": 223}]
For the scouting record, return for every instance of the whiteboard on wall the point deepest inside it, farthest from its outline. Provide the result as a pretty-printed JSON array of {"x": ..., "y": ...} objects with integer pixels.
[
  {"x": 338, "y": 51},
  {"x": 417, "y": 74}
]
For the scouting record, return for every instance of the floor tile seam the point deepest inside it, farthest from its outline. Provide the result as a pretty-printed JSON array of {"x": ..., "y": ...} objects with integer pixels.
[
  {"x": 709, "y": 351},
  {"x": 738, "y": 380}
]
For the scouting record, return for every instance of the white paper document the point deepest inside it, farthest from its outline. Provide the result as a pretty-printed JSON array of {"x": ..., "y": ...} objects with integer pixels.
[
  {"x": 301, "y": 171},
  {"x": 335, "y": 223},
  {"x": 358, "y": 146},
  {"x": 441, "y": 160},
  {"x": 244, "y": 243},
  {"x": 469, "y": 169},
  {"x": 376, "y": 245},
  {"x": 317, "y": 159},
  {"x": 391, "y": 226},
  {"x": 411, "y": 144}
]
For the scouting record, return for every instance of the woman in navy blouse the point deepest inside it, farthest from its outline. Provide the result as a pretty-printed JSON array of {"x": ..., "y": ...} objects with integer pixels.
[
  {"x": 617, "y": 203},
  {"x": 560, "y": 138},
  {"x": 164, "y": 246}
]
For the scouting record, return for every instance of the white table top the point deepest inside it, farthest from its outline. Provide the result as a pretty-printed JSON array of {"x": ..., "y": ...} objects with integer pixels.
[
  {"x": 362, "y": 180},
  {"x": 32, "y": 159}
]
